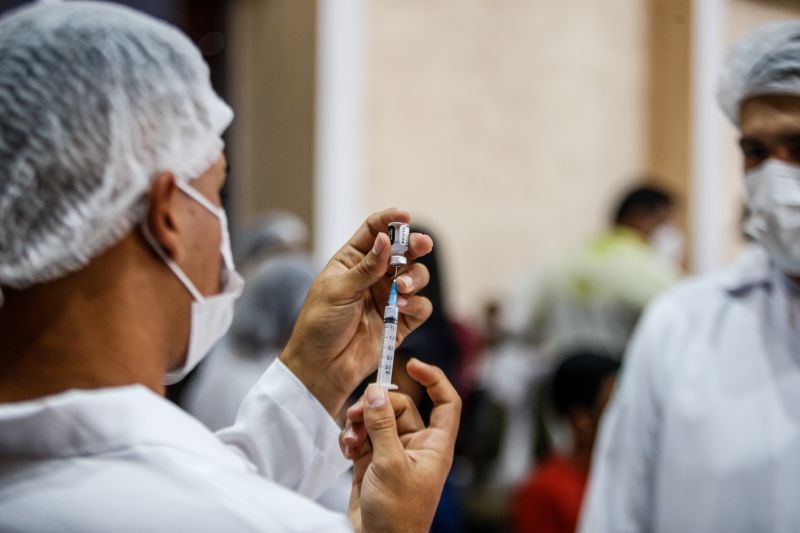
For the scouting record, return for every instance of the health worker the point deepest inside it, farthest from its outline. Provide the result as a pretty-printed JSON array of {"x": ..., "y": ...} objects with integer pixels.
[
  {"x": 117, "y": 277},
  {"x": 704, "y": 431}
]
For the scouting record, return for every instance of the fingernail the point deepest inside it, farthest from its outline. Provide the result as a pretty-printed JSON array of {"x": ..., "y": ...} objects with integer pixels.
[
  {"x": 377, "y": 248},
  {"x": 376, "y": 395},
  {"x": 402, "y": 302},
  {"x": 406, "y": 282},
  {"x": 349, "y": 434}
]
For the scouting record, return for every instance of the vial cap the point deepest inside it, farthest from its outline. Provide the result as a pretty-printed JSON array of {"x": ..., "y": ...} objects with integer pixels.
[{"x": 398, "y": 261}]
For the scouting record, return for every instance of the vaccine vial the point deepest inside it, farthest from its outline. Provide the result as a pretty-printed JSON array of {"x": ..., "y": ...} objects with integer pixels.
[{"x": 399, "y": 233}]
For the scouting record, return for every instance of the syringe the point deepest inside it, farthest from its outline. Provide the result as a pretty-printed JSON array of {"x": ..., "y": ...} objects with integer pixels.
[{"x": 388, "y": 340}]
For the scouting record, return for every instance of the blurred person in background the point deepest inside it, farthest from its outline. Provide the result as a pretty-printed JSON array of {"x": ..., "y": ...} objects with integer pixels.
[
  {"x": 593, "y": 300},
  {"x": 117, "y": 276},
  {"x": 588, "y": 303},
  {"x": 702, "y": 433},
  {"x": 274, "y": 232},
  {"x": 549, "y": 499},
  {"x": 262, "y": 324}
]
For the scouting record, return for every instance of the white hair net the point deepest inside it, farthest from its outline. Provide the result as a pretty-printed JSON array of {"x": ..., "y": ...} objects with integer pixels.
[
  {"x": 95, "y": 101},
  {"x": 764, "y": 61}
]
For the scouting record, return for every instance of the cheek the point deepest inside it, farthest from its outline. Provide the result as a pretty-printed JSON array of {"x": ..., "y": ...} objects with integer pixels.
[{"x": 209, "y": 259}]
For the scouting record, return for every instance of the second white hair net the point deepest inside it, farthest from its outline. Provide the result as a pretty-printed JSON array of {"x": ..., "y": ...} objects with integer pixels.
[
  {"x": 96, "y": 100},
  {"x": 267, "y": 310},
  {"x": 764, "y": 61}
]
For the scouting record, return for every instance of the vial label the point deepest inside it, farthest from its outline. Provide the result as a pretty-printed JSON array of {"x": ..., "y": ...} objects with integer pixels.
[{"x": 404, "y": 234}]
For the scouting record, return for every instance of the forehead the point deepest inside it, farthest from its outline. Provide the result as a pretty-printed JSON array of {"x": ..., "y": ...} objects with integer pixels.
[{"x": 770, "y": 116}]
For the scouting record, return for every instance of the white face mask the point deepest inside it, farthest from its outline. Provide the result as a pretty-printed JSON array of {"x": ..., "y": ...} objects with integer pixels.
[
  {"x": 667, "y": 241},
  {"x": 212, "y": 315},
  {"x": 773, "y": 196}
]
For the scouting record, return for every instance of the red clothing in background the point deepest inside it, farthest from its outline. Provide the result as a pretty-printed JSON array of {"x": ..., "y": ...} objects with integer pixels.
[{"x": 549, "y": 500}]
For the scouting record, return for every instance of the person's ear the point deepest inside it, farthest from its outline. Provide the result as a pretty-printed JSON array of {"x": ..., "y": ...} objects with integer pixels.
[{"x": 163, "y": 215}]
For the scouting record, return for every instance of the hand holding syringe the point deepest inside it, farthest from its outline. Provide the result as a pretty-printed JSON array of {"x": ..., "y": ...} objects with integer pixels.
[{"x": 398, "y": 234}]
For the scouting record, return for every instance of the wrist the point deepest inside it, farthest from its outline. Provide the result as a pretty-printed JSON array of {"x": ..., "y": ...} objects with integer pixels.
[{"x": 316, "y": 380}]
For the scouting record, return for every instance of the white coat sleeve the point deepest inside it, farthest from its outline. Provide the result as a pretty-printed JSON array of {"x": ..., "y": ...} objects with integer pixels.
[
  {"x": 287, "y": 434},
  {"x": 621, "y": 486}
]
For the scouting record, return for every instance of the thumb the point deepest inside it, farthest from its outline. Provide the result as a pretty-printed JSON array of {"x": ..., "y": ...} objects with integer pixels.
[
  {"x": 373, "y": 265},
  {"x": 381, "y": 425}
]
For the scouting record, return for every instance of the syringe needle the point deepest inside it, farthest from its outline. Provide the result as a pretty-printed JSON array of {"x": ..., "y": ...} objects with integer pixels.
[{"x": 396, "y": 270}]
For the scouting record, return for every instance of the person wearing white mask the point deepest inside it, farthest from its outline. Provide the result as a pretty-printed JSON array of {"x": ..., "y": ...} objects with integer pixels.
[
  {"x": 703, "y": 433},
  {"x": 117, "y": 277}
]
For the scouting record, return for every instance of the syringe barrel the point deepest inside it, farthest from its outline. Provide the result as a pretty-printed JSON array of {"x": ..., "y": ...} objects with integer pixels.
[{"x": 388, "y": 342}]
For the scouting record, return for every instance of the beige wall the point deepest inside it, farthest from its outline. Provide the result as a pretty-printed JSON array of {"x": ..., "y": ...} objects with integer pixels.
[
  {"x": 272, "y": 61},
  {"x": 508, "y": 127}
]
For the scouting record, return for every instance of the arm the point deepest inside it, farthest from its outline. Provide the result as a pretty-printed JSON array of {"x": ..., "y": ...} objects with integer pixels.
[
  {"x": 287, "y": 434},
  {"x": 620, "y": 494},
  {"x": 285, "y": 426}
]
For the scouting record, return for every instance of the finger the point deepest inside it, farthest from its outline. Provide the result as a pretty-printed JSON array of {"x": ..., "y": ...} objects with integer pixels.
[
  {"x": 355, "y": 412},
  {"x": 382, "y": 427},
  {"x": 375, "y": 224},
  {"x": 345, "y": 440},
  {"x": 360, "y": 466},
  {"x": 353, "y": 434},
  {"x": 414, "y": 310},
  {"x": 400, "y": 404},
  {"x": 357, "y": 437},
  {"x": 413, "y": 279},
  {"x": 419, "y": 244},
  {"x": 446, "y": 412},
  {"x": 354, "y": 441},
  {"x": 355, "y": 453},
  {"x": 406, "y": 413},
  {"x": 371, "y": 268}
]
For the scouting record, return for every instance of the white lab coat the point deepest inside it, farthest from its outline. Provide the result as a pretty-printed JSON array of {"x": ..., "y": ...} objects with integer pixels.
[
  {"x": 125, "y": 459},
  {"x": 703, "y": 434},
  {"x": 218, "y": 389}
]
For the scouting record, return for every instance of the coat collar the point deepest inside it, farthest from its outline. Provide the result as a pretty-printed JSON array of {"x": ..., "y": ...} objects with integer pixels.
[
  {"x": 90, "y": 422},
  {"x": 752, "y": 269}
]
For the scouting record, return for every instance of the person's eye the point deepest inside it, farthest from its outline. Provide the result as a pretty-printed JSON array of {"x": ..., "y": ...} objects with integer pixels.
[{"x": 754, "y": 154}]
